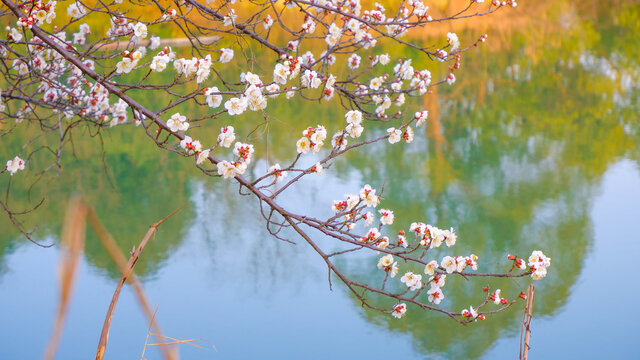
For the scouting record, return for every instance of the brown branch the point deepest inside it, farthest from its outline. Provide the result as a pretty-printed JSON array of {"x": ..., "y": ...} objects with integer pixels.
[{"x": 177, "y": 42}]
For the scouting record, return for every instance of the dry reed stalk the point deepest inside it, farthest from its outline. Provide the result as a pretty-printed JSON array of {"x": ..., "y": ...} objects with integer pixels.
[
  {"x": 526, "y": 322},
  {"x": 104, "y": 336},
  {"x": 174, "y": 341},
  {"x": 73, "y": 236},
  {"x": 168, "y": 352}
]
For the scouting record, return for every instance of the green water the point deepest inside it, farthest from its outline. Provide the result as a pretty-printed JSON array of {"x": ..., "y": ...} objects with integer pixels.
[{"x": 515, "y": 160}]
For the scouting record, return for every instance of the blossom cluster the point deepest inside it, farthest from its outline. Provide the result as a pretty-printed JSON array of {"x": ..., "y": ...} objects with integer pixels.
[
  {"x": 538, "y": 264},
  {"x": 312, "y": 139},
  {"x": 38, "y": 14}
]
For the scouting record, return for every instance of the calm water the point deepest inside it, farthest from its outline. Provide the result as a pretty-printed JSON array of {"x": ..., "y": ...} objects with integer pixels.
[{"x": 536, "y": 148}]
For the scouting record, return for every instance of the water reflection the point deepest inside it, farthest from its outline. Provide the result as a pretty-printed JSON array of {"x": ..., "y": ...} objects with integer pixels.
[{"x": 513, "y": 157}]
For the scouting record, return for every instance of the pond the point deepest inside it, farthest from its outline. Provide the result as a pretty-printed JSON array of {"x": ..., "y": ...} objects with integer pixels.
[{"x": 534, "y": 147}]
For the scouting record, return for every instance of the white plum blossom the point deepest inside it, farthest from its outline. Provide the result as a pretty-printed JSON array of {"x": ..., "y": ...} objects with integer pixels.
[
  {"x": 213, "y": 98},
  {"x": 293, "y": 45},
  {"x": 431, "y": 268},
  {"x": 385, "y": 103},
  {"x": 202, "y": 156},
  {"x": 14, "y": 165},
  {"x": 255, "y": 99},
  {"x": 159, "y": 63},
  {"x": 421, "y": 117},
  {"x": 227, "y": 169},
  {"x": 353, "y": 117},
  {"x": 294, "y": 66},
  {"x": 303, "y": 145},
  {"x": 317, "y": 168},
  {"x": 450, "y": 237},
  {"x": 190, "y": 145},
  {"x": 252, "y": 79},
  {"x": 408, "y": 134},
  {"x": 354, "y": 61},
  {"x": 243, "y": 151},
  {"x": 177, "y": 123},
  {"x": 452, "y": 39},
  {"x": 384, "y": 59},
  {"x": 310, "y": 79},
  {"x": 495, "y": 296},
  {"x": 236, "y": 106},
  {"x": 226, "y": 55},
  {"x": 368, "y": 195},
  {"x": 435, "y": 295},
  {"x": 399, "y": 310},
  {"x": 382, "y": 243},
  {"x": 227, "y": 136},
  {"x": 372, "y": 235},
  {"x": 404, "y": 70},
  {"x": 418, "y": 227},
  {"x": 339, "y": 141},
  {"x": 154, "y": 42},
  {"x": 385, "y": 262},
  {"x": 140, "y": 30},
  {"x": 267, "y": 22},
  {"x": 472, "y": 260},
  {"x": 329, "y": 59},
  {"x": 471, "y": 313},
  {"x": 395, "y": 135},
  {"x": 273, "y": 89},
  {"x": 539, "y": 263},
  {"x": 308, "y": 58},
  {"x": 230, "y": 18},
  {"x": 376, "y": 83},
  {"x": 309, "y": 26},
  {"x": 413, "y": 281},
  {"x": 334, "y": 34},
  {"x": 386, "y": 217},
  {"x": 401, "y": 240},
  {"x": 449, "y": 264},
  {"x": 368, "y": 218},
  {"x": 125, "y": 65},
  {"x": 204, "y": 69},
  {"x": 451, "y": 78},
  {"x": 280, "y": 74},
  {"x": 354, "y": 130},
  {"x": 437, "y": 280},
  {"x": 278, "y": 175},
  {"x": 15, "y": 35},
  {"x": 352, "y": 201},
  {"x": 76, "y": 10}
]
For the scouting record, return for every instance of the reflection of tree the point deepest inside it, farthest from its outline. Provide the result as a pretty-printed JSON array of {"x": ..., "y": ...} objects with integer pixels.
[
  {"x": 513, "y": 169},
  {"x": 127, "y": 201}
]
